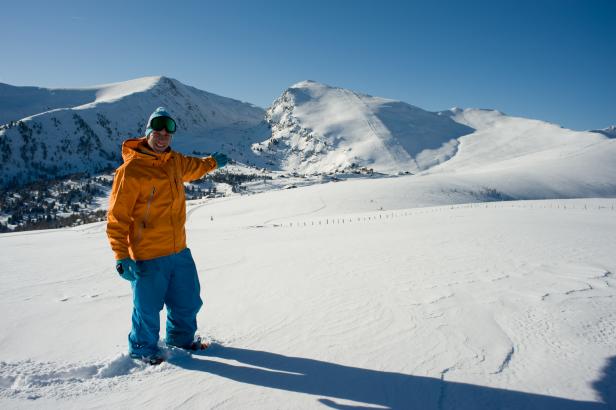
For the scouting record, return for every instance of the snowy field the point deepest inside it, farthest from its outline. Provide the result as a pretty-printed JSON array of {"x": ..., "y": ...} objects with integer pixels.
[{"x": 350, "y": 295}]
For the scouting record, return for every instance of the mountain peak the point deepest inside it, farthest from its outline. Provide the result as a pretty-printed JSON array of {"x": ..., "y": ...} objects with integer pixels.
[
  {"x": 114, "y": 91},
  {"x": 609, "y": 132},
  {"x": 311, "y": 88},
  {"x": 320, "y": 128},
  {"x": 51, "y": 133},
  {"x": 308, "y": 84}
]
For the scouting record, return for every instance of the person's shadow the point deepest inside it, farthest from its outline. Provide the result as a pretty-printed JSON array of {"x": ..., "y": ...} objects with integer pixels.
[{"x": 381, "y": 388}]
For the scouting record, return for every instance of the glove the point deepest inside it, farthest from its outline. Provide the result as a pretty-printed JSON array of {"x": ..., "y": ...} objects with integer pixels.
[
  {"x": 127, "y": 268},
  {"x": 221, "y": 159}
]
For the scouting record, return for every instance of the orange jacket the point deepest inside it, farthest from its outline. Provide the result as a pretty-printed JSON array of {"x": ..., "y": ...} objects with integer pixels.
[{"x": 147, "y": 207}]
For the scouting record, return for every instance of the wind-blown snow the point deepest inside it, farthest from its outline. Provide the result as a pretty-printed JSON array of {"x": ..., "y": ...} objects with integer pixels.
[
  {"x": 339, "y": 295},
  {"x": 115, "y": 91}
]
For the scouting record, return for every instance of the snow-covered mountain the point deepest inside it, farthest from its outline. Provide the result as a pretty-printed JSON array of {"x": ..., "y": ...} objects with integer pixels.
[
  {"x": 81, "y": 130},
  {"x": 526, "y": 158},
  {"x": 311, "y": 128},
  {"x": 319, "y": 128}
]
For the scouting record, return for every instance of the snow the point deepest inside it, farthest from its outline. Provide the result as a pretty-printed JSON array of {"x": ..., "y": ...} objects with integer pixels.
[
  {"x": 312, "y": 128},
  {"x": 115, "y": 91},
  {"x": 525, "y": 158},
  {"x": 21, "y": 102},
  {"x": 320, "y": 128},
  {"x": 377, "y": 293}
]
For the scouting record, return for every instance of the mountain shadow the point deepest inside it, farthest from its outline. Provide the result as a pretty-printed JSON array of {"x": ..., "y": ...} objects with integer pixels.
[
  {"x": 369, "y": 388},
  {"x": 418, "y": 130}
]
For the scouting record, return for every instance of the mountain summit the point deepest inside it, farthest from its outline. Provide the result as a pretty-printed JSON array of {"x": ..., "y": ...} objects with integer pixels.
[
  {"x": 319, "y": 128},
  {"x": 609, "y": 132}
]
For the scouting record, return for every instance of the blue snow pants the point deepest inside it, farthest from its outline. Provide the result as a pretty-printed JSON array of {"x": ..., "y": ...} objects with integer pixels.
[{"x": 172, "y": 281}]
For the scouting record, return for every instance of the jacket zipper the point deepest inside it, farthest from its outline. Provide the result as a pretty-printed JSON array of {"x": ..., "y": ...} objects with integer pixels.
[
  {"x": 175, "y": 180},
  {"x": 172, "y": 178},
  {"x": 147, "y": 214}
]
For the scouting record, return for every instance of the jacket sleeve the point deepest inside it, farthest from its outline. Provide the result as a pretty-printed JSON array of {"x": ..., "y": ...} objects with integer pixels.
[
  {"x": 194, "y": 168},
  {"x": 122, "y": 200}
]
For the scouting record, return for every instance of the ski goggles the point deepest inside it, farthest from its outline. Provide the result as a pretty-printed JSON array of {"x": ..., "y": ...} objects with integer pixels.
[{"x": 158, "y": 123}]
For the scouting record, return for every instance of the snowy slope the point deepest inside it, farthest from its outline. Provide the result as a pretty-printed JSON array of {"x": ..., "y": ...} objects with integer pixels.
[
  {"x": 86, "y": 137},
  {"x": 342, "y": 295},
  {"x": 526, "y": 158},
  {"x": 319, "y": 128}
]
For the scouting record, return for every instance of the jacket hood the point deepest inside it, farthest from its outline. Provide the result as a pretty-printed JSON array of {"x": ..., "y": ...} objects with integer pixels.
[{"x": 137, "y": 148}]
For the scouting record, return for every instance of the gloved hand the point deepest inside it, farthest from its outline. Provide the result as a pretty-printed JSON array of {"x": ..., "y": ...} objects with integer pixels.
[
  {"x": 221, "y": 159},
  {"x": 127, "y": 268}
]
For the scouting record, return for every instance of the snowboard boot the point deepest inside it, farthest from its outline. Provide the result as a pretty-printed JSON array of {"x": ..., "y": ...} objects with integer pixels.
[
  {"x": 197, "y": 344},
  {"x": 153, "y": 360}
]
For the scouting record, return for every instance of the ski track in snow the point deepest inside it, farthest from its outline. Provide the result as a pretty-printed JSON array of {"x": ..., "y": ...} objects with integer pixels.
[
  {"x": 397, "y": 153},
  {"x": 311, "y": 212}
]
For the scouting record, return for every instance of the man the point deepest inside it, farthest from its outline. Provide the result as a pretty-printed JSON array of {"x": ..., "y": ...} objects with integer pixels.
[{"x": 145, "y": 227}]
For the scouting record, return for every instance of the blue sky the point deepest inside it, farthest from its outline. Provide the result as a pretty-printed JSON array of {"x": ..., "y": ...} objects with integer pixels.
[{"x": 550, "y": 60}]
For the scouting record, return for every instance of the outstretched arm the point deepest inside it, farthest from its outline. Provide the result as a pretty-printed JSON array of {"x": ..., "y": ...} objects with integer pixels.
[{"x": 194, "y": 168}]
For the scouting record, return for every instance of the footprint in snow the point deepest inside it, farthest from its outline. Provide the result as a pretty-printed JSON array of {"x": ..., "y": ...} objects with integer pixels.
[{"x": 32, "y": 380}]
